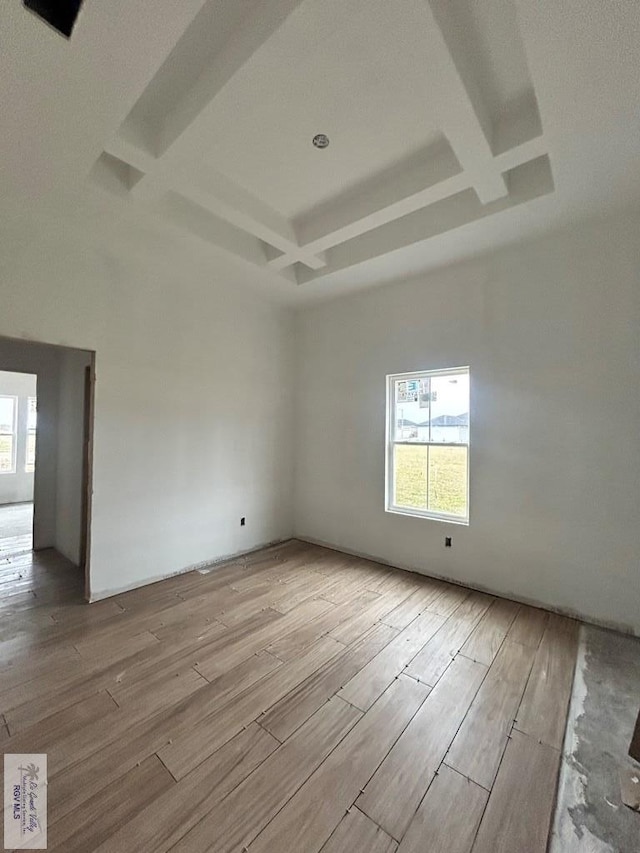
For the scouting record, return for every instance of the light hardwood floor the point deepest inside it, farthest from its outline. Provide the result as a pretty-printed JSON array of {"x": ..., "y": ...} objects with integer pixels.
[
  {"x": 296, "y": 700},
  {"x": 16, "y": 522}
]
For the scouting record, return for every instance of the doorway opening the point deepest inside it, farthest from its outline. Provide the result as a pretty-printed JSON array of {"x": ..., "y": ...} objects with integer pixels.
[
  {"x": 18, "y": 425},
  {"x": 46, "y": 427}
]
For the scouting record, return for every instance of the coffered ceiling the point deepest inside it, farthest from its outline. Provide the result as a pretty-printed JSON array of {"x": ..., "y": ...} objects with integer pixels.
[{"x": 454, "y": 125}]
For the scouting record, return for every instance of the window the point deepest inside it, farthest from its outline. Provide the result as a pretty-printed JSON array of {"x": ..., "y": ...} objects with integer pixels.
[
  {"x": 32, "y": 417},
  {"x": 8, "y": 407},
  {"x": 428, "y": 444}
]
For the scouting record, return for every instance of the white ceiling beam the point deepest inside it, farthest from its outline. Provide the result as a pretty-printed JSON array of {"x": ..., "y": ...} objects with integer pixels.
[
  {"x": 191, "y": 114},
  {"x": 217, "y": 194},
  {"x": 185, "y": 138},
  {"x": 522, "y": 153},
  {"x": 313, "y": 260},
  {"x": 518, "y": 124},
  {"x": 224, "y": 198},
  {"x": 465, "y": 122},
  {"x": 530, "y": 181},
  {"x": 99, "y": 74},
  {"x": 408, "y": 186},
  {"x": 213, "y": 229},
  {"x": 462, "y": 114},
  {"x": 374, "y": 205},
  {"x": 176, "y": 216},
  {"x": 361, "y": 216},
  {"x": 416, "y": 201}
]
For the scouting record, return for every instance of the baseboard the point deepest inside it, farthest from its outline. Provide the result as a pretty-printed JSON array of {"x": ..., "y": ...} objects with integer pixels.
[
  {"x": 213, "y": 564},
  {"x": 561, "y": 611}
]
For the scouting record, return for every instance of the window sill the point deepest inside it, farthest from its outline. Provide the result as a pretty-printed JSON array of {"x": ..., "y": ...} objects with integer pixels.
[{"x": 432, "y": 516}]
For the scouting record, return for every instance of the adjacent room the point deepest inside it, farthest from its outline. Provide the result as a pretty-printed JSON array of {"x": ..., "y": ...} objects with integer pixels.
[
  {"x": 45, "y": 478},
  {"x": 18, "y": 417},
  {"x": 320, "y": 426}
]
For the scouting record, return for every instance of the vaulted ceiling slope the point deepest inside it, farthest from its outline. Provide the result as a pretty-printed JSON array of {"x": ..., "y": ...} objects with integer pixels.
[{"x": 454, "y": 125}]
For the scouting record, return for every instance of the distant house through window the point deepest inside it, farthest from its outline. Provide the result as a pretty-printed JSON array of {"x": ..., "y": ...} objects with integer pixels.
[
  {"x": 32, "y": 417},
  {"x": 428, "y": 444},
  {"x": 8, "y": 417}
]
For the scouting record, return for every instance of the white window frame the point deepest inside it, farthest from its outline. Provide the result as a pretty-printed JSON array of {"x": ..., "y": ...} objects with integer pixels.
[
  {"x": 13, "y": 434},
  {"x": 29, "y": 432},
  {"x": 391, "y": 441}
]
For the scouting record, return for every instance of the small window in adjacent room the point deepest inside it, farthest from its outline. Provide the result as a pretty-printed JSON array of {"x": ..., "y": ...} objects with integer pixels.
[
  {"x": 428, "y": 444},
  {"x": 32, "y": 417},
  {"x": 8, "y": 407}
]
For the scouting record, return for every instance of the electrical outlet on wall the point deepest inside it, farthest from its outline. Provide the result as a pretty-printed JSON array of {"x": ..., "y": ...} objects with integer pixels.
[
  {"x": 242, "y": 521},
  {"x": 447, "y": 542}
]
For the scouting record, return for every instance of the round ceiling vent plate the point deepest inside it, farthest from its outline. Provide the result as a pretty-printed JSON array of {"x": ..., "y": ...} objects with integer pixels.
[{"x": 321, "y": 140}]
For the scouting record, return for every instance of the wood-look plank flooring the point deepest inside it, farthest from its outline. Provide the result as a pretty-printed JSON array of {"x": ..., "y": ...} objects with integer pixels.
[
  {"x": 296, "y": 699},
  {"x": 16, "y": 535}
]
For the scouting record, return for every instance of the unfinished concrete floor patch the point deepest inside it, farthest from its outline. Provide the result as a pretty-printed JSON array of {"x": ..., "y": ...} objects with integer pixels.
[{"x": 590, "y": 815}]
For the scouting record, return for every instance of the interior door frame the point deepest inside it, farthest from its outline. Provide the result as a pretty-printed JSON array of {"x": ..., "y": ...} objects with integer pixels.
[
  {"x": 88, "y": 433},
  {"x": 87, "y": 473}
]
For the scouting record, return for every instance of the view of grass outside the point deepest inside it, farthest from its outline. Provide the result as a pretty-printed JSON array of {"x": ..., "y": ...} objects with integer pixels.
[
  {"x": 432, "y": 478},
  {"x": 30, "y": 464},
  {"x": 6, "y": 453}
]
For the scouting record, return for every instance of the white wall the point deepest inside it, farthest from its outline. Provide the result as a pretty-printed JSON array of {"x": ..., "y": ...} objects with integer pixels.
[
  {"x": 551, "y": 331},
  {"x": 194, "y": 403},
  {"x": 69, "y": 484},
  {"x": 17, "y": 486},
  {"x": 19, "y": 356},
  {"x": 193, "y": 392}
]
